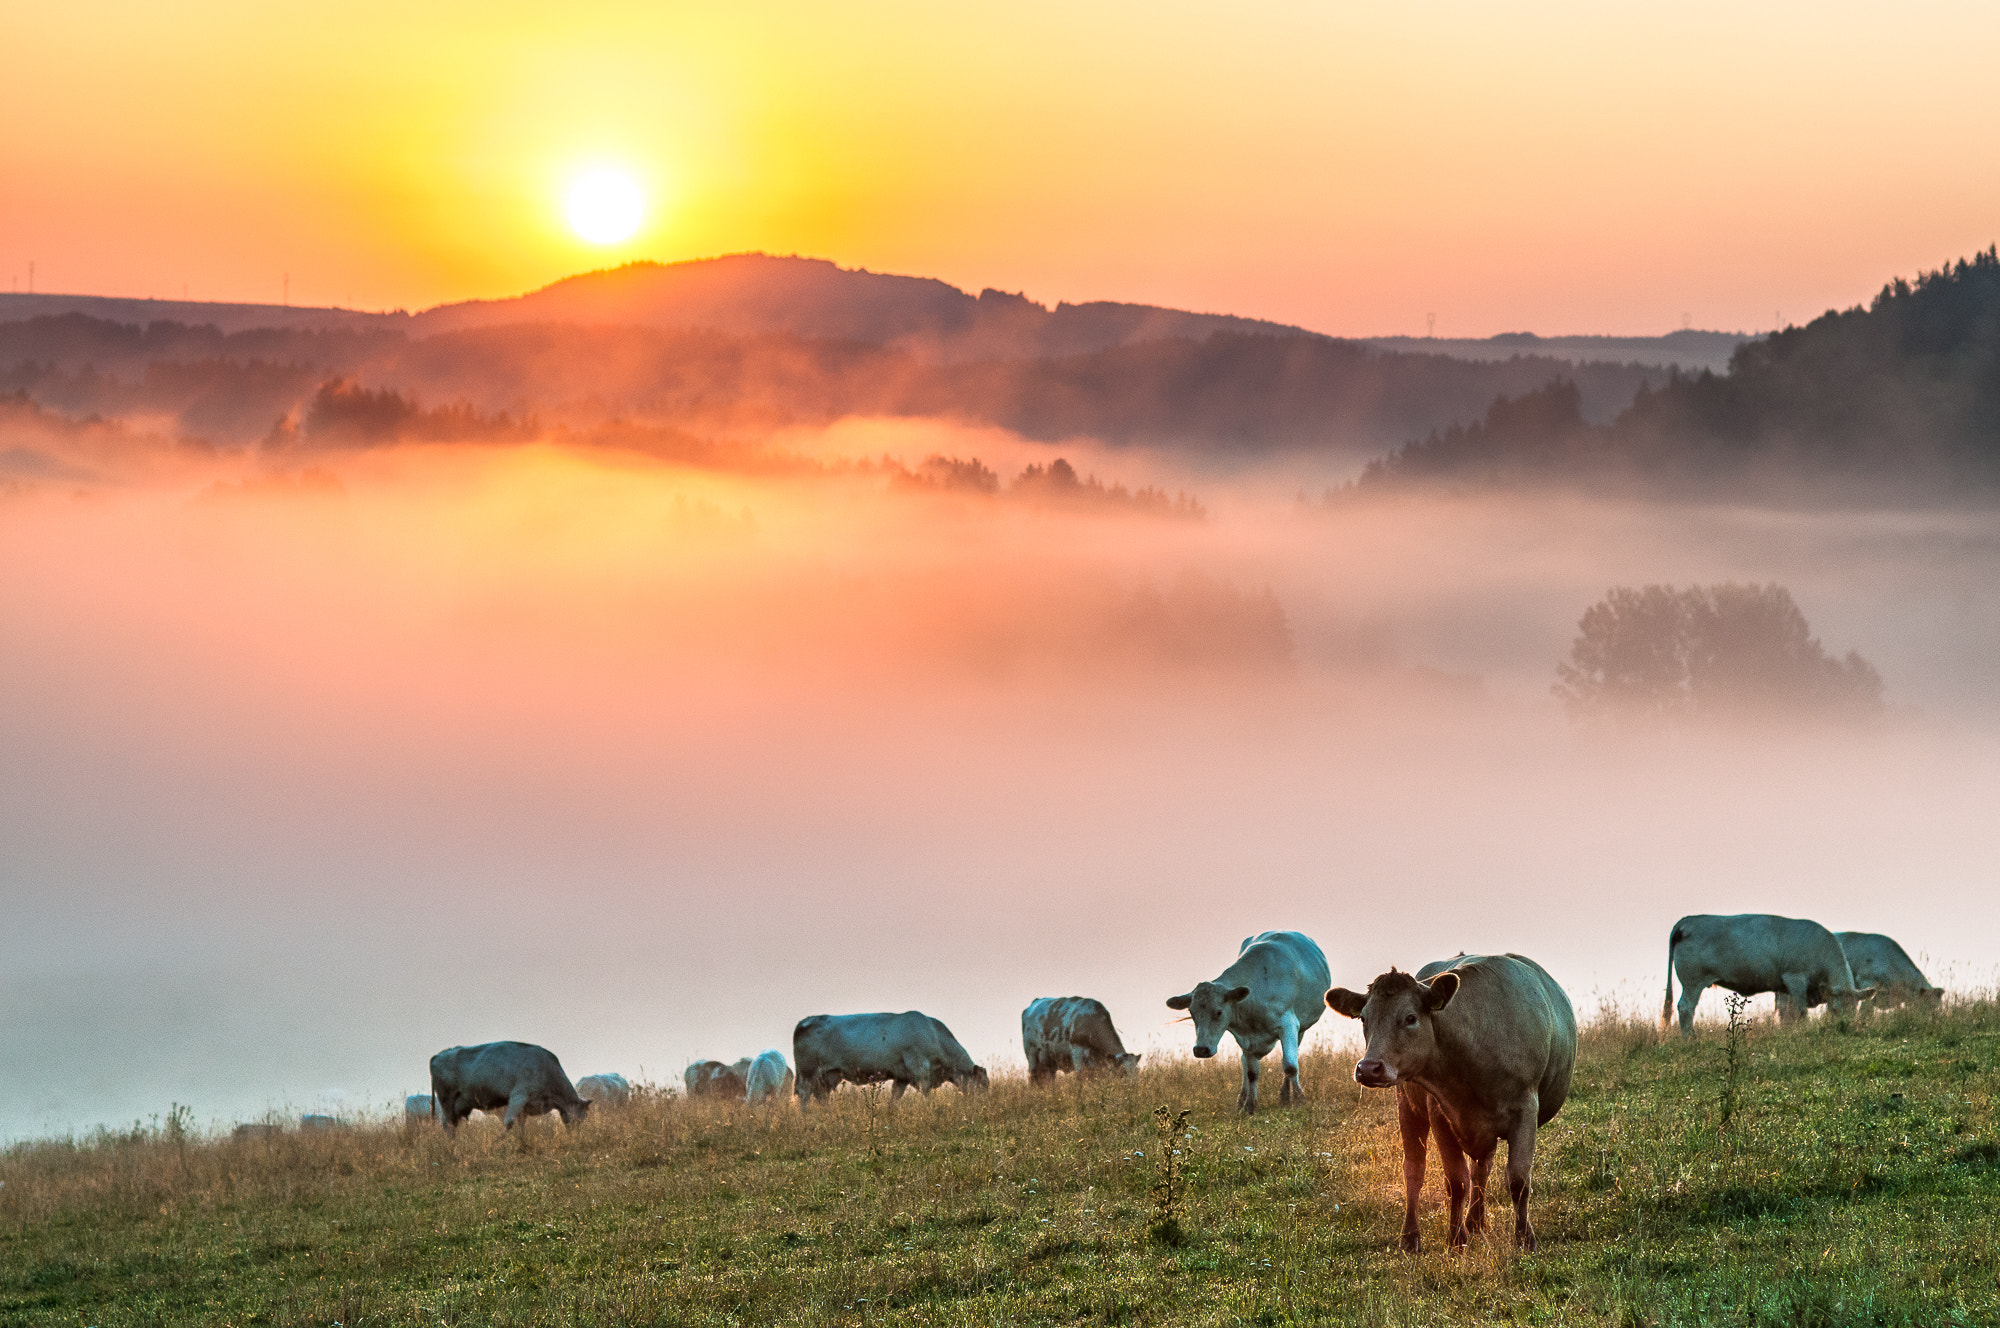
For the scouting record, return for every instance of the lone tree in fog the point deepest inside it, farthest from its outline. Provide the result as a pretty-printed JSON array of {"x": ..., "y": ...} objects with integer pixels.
[{"x": 1707, "y": 651}]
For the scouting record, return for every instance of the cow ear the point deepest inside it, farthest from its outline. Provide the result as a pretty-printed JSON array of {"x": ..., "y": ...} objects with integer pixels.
[
  {"x": 1180, "y": 1002},
  {"x": 1234, "y": 994},
  {"x": 1342, "y": 1001},
  {"x": 1443, "y": 987}
]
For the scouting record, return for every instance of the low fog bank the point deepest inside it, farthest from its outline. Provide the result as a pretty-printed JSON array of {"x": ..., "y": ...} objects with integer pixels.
[{"x": 307, "y": 776}]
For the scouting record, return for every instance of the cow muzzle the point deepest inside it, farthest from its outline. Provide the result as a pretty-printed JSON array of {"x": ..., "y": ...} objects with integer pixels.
[
  {"x": 1203, "y": 1053},
  {"x": 1372, "y": 1073}
]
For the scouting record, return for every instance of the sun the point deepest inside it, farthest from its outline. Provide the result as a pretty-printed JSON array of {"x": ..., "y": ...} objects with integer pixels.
[{"x": 604, "y": 206}]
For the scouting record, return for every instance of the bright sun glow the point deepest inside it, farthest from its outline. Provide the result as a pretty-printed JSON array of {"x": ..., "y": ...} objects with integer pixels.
[{"x": 604, "y": 206}]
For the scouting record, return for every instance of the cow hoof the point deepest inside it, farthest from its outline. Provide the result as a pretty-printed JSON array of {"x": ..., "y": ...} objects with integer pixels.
[{"x": 1412, "y": 1244}]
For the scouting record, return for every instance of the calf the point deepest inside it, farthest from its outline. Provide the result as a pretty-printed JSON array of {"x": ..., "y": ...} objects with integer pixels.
[
  {"x": 1269, "y": 997},
  {"x": 1752, "y": 953},
  {"x": 1479, "y": 1048},
  {"x": 1880, "y": 963},
  {"x": 1071, "y": 1033},
  {"x": 525, "y": 1079},
  {"x": 910, "y": 1049}
]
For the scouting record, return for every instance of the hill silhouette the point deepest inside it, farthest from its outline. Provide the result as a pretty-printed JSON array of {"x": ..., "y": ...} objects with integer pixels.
[{"x": 752, "y": 294}]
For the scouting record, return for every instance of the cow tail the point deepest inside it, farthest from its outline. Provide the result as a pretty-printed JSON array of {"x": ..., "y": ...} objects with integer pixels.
[{"x": 1667, "y": 1005}]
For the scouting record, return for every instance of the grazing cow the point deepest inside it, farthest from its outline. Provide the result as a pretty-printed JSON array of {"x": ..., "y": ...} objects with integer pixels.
[
  {"x": 910, "y": 1049},
  {"x": 1751, "y": 953},
  {"x": 768, "y": 1076},
  {"x": 316, "y": 1121},
  {"x": 418, "y": 1104},
  {"x": 714, "y": 1079},
  {"x": 609, "y": 1090},
  {"x": 1071, "y": 1033},
  {"x": 1269, "y": 997},
  {"x": 525, "y": 1079},
  {"x": 1878, "y": 962},
  {"x": 1479, "y": 1048}
]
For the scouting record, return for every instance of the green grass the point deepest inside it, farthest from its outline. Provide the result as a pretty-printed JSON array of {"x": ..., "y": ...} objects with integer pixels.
[{"x": 1858, "y": 1183}]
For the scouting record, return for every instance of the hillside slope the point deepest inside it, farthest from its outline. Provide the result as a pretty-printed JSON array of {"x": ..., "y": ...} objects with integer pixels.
[{"x": 1854, "y": 1181}]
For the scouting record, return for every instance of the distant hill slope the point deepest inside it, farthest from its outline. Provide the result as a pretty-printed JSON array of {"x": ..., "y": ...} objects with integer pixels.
[
  {"x": 1690, "y": 351},
  {"x": 16, "y": 307},
  {"x": 751, "y": 294},
  {"x": 1901, "y": 395}
]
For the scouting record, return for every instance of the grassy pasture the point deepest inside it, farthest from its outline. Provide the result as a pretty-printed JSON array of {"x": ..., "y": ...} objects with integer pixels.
[{"x": 1858, "y": 1182}]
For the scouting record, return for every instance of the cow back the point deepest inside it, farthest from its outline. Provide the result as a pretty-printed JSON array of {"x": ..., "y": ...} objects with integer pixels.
[{"x": 1509, "y": 1027}]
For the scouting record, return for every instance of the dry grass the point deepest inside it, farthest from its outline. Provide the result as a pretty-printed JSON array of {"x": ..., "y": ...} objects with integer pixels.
[{"x": 1857, "y": 1183}]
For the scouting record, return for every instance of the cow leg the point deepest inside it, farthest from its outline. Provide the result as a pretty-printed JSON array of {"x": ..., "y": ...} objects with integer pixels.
[
  {"x": 517, "y": 1109},
  {"x": 1413, "y": 1115},
  {"x": 1246, "y": 1098},
  {"x": 1079, "y": 1059},
  {"x": 1288, "y": 1042},
  {"x": 1798, "y": 988},
  {"x": 1460, "y": 1185},
  {"x": 897, "y": 1087},
  {"x": 1478, "y": 1171},
  {"x": 1690, "y": 998},
  {"x": 1520, "y": 1166}
]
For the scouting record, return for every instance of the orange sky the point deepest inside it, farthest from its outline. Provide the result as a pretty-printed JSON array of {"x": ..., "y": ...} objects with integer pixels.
[{"x": 1560, "y": 167}]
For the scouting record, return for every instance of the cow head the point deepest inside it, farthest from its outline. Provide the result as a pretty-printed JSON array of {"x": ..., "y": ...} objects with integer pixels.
[
  {"x": 976, "y": 1082},
  {"x": 1396, "y": 1017},
  {"x": 1845, "y": 1003},
  {"x": 1128, "y": 1062},
  {"x": 1931, "y": 998},
  {"x": 1209, "y": 1006},
  {"x": 573, "y": 1112}
]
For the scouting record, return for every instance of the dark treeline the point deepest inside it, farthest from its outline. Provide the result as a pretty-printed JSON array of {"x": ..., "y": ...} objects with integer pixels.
[
  {"x": 343, "y": 415},
  {"x": 1229, "y": 394},
  {"x": 1903, "y": 395}
]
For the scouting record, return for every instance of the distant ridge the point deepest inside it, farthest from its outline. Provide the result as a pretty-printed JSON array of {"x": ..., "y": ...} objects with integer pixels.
[
  {"x": 1690, "y": 350},
  {"x": 755, "y": 294},
  {"x": 752, "y": 294},
  {"x": 15, "y": 307}
]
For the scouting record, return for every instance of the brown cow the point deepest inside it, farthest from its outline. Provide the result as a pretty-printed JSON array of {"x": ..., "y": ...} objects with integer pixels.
[
  {"x": 1480, "y": 1047},
  {"x": 714, "y": 1079}
]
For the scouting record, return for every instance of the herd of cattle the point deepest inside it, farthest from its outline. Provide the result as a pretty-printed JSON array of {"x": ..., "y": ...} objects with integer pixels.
[{"x": 1479, "y": 1047}]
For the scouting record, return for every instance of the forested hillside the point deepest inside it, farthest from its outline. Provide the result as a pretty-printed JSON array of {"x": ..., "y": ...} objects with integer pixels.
[{"x": 1901, "y": 395}]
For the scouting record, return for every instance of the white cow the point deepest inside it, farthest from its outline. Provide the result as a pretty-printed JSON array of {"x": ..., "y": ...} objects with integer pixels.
[
  {"x": 1073, "y": 1033},
  {"x": 525, "y": 1079},
  {"x": 907, "y": 1049},
  {"x": 417, "y": 1104},
  {"x": 1270, "y": 996},
  {"x": 606, "y": 1090},
  {"x": 768, "y": 1076},
  {"x": 1880, "y": 963},
  {"x": 1751, "y": 953}
]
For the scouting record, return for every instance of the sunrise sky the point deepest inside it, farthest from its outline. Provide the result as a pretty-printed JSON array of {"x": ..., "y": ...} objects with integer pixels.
[{"x": 1558, "y": 167}]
